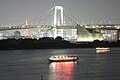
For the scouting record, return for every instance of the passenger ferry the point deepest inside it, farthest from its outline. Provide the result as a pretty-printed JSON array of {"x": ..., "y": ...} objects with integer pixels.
[
  {"x": 102, "y": 49},
  {"x": 63, "y": 58}
]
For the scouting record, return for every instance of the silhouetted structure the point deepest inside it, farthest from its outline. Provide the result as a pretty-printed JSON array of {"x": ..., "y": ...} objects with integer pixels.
[{"x": 51, "y": 43}]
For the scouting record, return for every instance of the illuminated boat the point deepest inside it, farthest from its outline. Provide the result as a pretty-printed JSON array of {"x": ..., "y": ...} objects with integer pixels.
[
  {"x": 103, "y": 49},
  {"x": 63, "y": 58}
]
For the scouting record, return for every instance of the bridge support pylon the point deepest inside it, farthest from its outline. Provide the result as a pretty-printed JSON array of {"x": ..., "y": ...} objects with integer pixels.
[
  {"x": 58, "y": 19},
  {"x": 58, "y": 16},
  {"x": 118, "y": 34}
]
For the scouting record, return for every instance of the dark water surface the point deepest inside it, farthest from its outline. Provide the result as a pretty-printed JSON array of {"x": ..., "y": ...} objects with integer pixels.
[{"x": 34, "y": 65}]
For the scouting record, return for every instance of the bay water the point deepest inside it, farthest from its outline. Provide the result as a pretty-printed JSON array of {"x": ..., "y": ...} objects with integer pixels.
[{"x": 34, "y": 65}]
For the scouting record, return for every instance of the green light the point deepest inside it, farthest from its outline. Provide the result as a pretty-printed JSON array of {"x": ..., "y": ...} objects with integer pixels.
[
  {"x": 80, "y": 38},
  {"x": 89, "y": 38},
  {"x": 85, "y": 35},
  {"x": 98, "y": 36}
]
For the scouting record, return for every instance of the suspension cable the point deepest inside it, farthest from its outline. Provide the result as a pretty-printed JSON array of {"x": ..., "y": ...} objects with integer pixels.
[
  {"x": 71, "y": 17},
  {"x": 39, "y": 16}
]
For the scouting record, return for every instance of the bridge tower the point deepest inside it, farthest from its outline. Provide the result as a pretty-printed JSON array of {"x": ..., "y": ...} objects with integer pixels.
[
  {"x": 58, "y": 16},
  {"x": 58, "y": 19}
]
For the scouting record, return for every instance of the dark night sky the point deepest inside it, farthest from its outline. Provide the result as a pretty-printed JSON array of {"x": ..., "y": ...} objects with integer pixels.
[{"x": 87, "y": 11}]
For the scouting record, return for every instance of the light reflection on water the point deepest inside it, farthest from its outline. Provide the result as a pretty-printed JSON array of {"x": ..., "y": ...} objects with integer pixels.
[{"x": 62, "y": 70}]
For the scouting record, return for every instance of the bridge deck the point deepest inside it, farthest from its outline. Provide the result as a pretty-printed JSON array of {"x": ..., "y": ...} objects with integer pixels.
[{"x": 103, "y": 27}]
